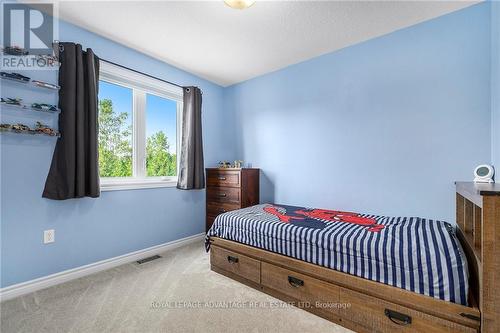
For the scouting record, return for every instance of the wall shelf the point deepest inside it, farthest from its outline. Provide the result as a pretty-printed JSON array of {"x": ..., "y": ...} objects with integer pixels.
[
  {"x": 27, "y": 108},
  {"x": 5, "y": 131},
  {"x": 31, "y": 84},
  {"x": 26, "y": 82}
]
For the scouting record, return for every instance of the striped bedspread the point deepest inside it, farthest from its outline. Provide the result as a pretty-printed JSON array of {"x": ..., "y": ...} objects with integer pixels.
[{"x": 411, "y": 253}]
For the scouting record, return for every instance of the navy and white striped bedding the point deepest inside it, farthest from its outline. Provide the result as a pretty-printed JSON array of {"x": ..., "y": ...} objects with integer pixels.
[{"x": 411, "y": 253}]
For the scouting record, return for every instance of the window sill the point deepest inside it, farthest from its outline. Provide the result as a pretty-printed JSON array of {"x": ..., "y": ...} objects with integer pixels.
[{"x": 121, "y": 185}]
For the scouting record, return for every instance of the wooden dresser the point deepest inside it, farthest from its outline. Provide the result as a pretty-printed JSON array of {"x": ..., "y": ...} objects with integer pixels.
[{"x": 230, "y": 189}]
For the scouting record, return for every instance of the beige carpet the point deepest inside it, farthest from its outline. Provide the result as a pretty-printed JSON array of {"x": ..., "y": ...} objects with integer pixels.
[{"x": 141, "y": 298}]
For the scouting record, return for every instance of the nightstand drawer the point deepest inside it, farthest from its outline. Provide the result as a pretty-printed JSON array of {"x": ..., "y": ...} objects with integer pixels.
[
  {"x": 223, "y": 178},
  {"x": 223, "y": 194},
  {"x": 216, "y": 208}
]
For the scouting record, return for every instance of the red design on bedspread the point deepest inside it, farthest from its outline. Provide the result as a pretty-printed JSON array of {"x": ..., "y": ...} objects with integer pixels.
[
  {"x": 283, "y": 217},
  {"x": 324, "y": 214}
]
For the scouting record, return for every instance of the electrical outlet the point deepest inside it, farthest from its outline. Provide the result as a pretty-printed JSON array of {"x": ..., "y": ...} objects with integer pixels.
[{"x": 49, "y": 236}]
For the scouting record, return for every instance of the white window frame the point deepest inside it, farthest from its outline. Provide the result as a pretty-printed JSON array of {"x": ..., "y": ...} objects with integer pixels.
[{"x": 141, "y": 85}]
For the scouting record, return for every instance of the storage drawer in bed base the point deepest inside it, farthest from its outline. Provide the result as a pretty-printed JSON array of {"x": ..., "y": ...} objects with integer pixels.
[
  {"x": 377, "y": 315},
  {"x": 235, "y": 263},
  {"x": 349, "y": 308}
]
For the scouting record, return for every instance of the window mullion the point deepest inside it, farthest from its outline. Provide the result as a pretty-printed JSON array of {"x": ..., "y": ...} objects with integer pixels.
[{"x": 139, "y": 133}]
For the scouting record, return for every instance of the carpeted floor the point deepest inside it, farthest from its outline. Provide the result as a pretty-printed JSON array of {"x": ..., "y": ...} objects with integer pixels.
[{"x": 142, "y": 298}]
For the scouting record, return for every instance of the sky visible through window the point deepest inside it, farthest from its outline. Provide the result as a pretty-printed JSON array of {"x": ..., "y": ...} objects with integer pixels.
[
  {"x": 120, "y": 96},
  {"x": 161, "y": 114}
]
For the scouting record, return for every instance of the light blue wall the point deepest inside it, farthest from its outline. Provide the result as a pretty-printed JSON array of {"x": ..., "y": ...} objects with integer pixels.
[
  {"x": 89, "y": 230},
  {"x": 495, "y": 86},
  {"x": 385, "y": 126}
]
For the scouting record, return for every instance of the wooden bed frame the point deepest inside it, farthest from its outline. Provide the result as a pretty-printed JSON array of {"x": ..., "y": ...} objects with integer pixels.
[{"x": 367, "y": 306}]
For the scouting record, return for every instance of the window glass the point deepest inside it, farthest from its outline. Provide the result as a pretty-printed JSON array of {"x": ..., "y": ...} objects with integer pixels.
[
  {"x": 115, "y": 130},
  {"x": 161, "y": 136}
]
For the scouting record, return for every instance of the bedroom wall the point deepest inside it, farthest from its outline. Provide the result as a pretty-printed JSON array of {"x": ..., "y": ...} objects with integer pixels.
[
  {"x": 119, "y": 222},
  {"x": 495, "y": 87},
  {"x": 385, "y": 126}
]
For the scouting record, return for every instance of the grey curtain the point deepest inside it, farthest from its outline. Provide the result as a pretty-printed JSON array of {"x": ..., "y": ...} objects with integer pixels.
[
  {"x": 191, "y": 169},
  {"x": 74, "y": 171}
]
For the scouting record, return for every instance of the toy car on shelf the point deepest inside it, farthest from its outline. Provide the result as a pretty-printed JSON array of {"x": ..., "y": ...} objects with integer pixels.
[
  {"x": 44, "y": 107},
  {"x": 21, "y": 128},
  {"x": 41, "y": 128},
  {"x": 11, "y": 101},
  {"x": 15, "y": 77},
  {"x": 4, "y": 127},
  {"x": 45, "y": 84},
  {"x": 15, "y": 50}
]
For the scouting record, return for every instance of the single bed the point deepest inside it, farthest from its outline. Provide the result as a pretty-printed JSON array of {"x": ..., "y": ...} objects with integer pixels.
[
  {"x": 371, "y": 273},
  {"x": 411, "y": 253}
]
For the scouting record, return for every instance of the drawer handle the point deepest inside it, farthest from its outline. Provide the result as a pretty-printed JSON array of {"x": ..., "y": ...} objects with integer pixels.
[
  {"x": 222, "y": 195},
  {"x": 398, "y": 318},
  {"x": 470, "y": 316},
  {"x": 232, "y": 260},
  {"x": 222, "y": 178},
  {"x": 294, "y": 282}
]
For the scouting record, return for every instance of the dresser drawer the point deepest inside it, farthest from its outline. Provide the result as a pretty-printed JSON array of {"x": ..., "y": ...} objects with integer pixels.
[
  {"x": 223, "y": 178},
  {"x": 304, "y": 288},
  {"x": 223, "y": 194},
  {"x": 381, "y": 316},
  {"x": 216, "y": 208},
  {"x": 230, "y": 189},
  {"x": 235, "y": 263}
]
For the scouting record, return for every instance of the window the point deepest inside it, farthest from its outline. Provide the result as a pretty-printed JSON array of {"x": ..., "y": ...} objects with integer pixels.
[{"x": 139, "y": 127}]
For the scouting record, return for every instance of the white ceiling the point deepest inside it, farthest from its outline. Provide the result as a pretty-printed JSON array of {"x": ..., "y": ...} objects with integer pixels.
[{"x": 227, "y": 46}]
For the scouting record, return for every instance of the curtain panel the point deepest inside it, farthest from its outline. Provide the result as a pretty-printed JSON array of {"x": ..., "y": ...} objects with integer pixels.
[
  {"x": 191, "y": 168},
  {"x": 74, "y": 171}
]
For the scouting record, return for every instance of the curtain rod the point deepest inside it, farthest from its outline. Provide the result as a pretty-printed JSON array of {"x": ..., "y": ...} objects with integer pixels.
[{"x": 133, "y": 70}]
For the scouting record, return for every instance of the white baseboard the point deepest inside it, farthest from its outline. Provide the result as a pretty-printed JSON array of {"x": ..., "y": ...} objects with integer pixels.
[{"x": 27, "y": 287}]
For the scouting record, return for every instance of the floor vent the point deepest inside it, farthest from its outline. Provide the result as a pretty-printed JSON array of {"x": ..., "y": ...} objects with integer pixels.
[{"x": 142, "y": 261}]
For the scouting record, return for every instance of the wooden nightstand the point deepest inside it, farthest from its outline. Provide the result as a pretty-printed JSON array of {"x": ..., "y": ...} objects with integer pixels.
[{"x": 230, "y": 189}]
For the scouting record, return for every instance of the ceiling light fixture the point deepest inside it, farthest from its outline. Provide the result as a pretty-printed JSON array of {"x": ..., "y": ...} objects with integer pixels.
[{"x": 239, "y": 4}]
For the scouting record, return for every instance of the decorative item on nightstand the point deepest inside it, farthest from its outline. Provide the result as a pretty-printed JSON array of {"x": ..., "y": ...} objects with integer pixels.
[
  {"x": 484, "y": 173},
  {"x": 229, "y": 189},
  {"x": 224, "y": 165}
]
